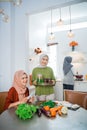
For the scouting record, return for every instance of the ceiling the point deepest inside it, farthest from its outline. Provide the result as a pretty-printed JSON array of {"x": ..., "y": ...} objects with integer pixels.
[
  {"x": 79, "y": 7},
  {"x": 78, "y": 12},
  {"x": 34, "y": 6}
]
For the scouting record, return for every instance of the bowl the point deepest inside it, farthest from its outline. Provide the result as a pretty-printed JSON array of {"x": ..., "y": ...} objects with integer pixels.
[{"x": 79, "y": 76}]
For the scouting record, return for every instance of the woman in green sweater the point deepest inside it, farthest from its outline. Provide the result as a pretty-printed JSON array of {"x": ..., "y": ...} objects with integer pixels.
[{"x": 44, "y": 80}]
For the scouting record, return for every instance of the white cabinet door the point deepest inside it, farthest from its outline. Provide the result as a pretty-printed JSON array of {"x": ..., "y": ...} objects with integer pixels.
[
  {"x": 80, "y": 86},
  {"x": 59, "y": 91}
]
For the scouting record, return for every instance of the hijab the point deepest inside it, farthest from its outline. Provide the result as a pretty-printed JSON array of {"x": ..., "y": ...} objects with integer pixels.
[
  {"x": 41, "y": 57},
  {"x": 67, "y": 64},
  {"x": 17, "y": 83}
]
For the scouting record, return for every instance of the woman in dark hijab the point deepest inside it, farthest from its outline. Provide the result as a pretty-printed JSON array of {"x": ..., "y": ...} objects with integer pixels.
[{"x": 68, "y": 81}]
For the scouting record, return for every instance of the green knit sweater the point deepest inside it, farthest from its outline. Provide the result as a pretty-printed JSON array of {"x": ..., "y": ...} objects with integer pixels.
[{"x": 46, "y": 72}]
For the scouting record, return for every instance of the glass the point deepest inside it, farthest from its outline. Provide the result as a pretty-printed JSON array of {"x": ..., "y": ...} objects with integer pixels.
[{"x": 39, "y": 79}]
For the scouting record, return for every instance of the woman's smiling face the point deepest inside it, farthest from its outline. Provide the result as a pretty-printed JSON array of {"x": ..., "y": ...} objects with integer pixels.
[
  {"x": 44, "y": 61},
  {"x": 24, "y": 80}
]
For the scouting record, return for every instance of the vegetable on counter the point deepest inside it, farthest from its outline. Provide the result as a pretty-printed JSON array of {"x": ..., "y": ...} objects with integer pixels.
[
  {"x": 39, "y": 113},
  {"x": 25, "y": 111},
  {"x": 49, "y": 109},
  {"x": 51, "y": 112},
  {"x": 45, "y": 112},
  {"x": 49, "y": 103},
  {"x": 64, "y": 110}
]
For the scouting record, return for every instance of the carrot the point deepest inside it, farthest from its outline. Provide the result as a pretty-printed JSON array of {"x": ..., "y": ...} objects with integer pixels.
[
  {"x": 47, "y": 108},
  {"x": 59, "y": 107},
  {"x": 60, "y": 113},
  {"x": 53, "y": 109},
  {"x": 53, "y": 113}
]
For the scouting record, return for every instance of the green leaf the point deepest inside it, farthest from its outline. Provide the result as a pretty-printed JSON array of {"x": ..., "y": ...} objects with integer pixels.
[{"x": 25, "y": 111}]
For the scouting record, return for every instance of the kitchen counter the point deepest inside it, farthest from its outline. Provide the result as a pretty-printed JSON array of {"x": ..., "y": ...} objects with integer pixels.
[
  {"x": 84, "y": 81},
  {"x": 79, "y": 86}
]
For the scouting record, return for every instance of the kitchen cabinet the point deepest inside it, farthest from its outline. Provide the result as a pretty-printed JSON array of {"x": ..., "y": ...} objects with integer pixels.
[
  {"x": 58, "y": 90},
  {"x": 79, "y": 86}
]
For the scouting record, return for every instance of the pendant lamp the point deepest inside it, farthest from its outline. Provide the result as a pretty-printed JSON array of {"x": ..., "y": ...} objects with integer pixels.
[
  {"x": 70, "y": 33},
  {"x": 60, "y": 21},
  {"x": 5, "y": 17},
  {"x": 51, "y": 36}
]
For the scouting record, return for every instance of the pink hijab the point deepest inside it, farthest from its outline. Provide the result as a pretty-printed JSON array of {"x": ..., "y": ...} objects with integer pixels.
[{"x": 17, "y": 83}]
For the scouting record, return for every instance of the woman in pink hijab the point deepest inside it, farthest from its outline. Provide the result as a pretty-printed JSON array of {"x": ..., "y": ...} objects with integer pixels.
[{"x": 19, "y": 92}]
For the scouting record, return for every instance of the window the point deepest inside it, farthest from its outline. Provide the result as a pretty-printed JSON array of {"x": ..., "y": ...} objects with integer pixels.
[{"x": 52, "y": 50}]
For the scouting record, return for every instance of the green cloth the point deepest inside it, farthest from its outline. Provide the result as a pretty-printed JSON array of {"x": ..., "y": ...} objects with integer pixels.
[{"x": 46, "y": 72}]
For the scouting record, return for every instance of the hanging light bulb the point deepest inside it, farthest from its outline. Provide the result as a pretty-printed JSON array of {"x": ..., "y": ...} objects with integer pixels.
[
  {"x": 17, "y": 2},
  {"x": 60, "y": 22},
  {"x": 5, "y": 17},
  {"x": 51, "y": 37},
  {"x": 70, "y": 33},
  {"x": 1, "y": 11}
]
